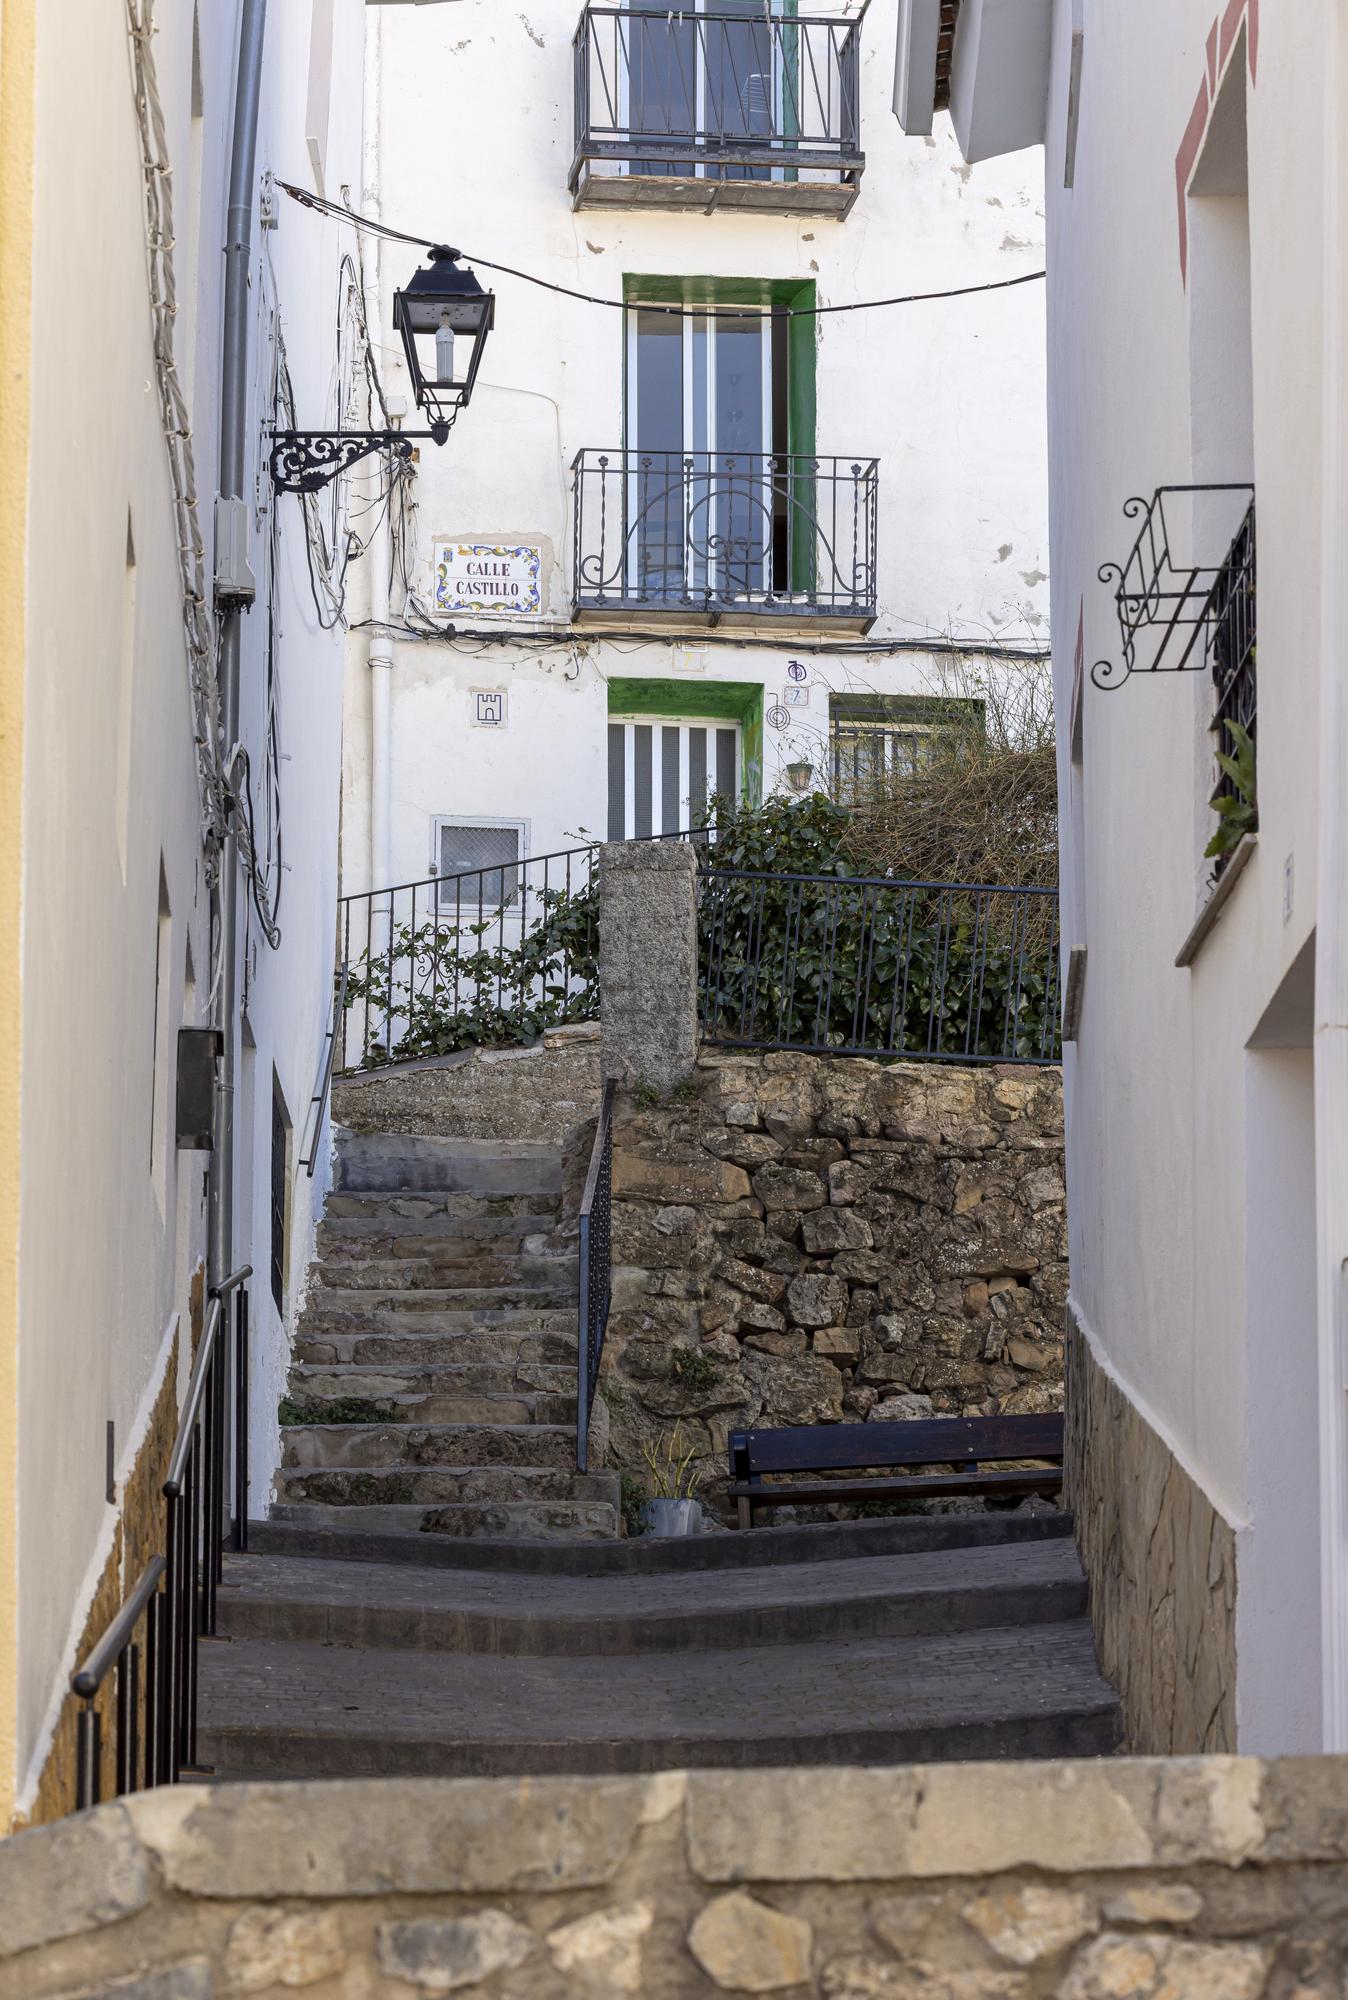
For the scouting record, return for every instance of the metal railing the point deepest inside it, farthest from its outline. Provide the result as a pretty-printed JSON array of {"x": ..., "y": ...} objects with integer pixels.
[
  {"x": 867, "y": 966},
  {"x": 492, "y": 955},
  {"x": 595, "y": 1273},
  {"x": 723, "y": 94},
  {"x": 748, "y": 533},
  {"x": 173, "y": 1603},
  {"x": 1232, "y": 649},
  {"x": 1172, "y": 592},
  {"x": 318, "y": 1103}
]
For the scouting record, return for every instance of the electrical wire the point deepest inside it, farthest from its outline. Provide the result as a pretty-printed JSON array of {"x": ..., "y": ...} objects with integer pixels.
[
  {"x": 199, "y": 627},
  {"x": 323, "y": 206},
  {"x": 564, "y": 637}
]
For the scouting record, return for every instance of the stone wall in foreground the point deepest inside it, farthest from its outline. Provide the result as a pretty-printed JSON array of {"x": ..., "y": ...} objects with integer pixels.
[
  {"x": 1162, "y": 1567},
  {"x": 809, "y": 1239},
  {"x": 1202, "y": 1879}
]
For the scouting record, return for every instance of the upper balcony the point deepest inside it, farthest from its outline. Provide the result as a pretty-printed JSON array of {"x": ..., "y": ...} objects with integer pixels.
[
  {"x": 707, "y": 538},
  {"x": 743, "y": 106}
]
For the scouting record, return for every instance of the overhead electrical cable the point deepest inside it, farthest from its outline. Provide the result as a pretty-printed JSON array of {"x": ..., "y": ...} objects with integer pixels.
[{"x": 343, "y": 214}]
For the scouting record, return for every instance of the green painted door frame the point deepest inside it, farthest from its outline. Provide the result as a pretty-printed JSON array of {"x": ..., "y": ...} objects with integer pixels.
[{"x": 737, "y": 701}]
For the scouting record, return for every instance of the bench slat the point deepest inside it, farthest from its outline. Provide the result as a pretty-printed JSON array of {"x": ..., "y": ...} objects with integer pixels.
[
  {"x": 813, "y": 1494},
  {"x": 855, "y": 1447}
]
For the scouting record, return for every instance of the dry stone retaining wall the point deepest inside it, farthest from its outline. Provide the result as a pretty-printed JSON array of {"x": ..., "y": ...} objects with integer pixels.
[
  {"x": 807, "y": 1239},
  {"x": 1202, "y": 1879}
]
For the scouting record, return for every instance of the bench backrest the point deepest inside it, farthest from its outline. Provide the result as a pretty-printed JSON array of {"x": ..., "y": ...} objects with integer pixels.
[{"x": 854, "y": 1447}]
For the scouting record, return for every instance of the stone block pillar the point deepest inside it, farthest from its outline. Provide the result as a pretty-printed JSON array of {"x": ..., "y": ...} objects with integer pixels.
[{"x": 648, "y": 962}]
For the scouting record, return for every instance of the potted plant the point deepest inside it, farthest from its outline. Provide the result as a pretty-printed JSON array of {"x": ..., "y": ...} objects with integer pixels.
[{"x": 672, "y": 1508}]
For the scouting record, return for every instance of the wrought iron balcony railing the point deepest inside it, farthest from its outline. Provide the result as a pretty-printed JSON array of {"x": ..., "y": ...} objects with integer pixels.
[
  {"x": 724, "y": 537},
  {"x": 1194, "y": 613},
  {"x": 743, "y": 105},
  {"x": 1173, "y": 591}
]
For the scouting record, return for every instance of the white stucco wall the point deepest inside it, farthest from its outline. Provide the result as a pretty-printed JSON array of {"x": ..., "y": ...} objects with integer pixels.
[
  {"x": 113, "y": 1223},
  {"x": 948, "y": 396},
  {"x": 1191, "y": 1162}
]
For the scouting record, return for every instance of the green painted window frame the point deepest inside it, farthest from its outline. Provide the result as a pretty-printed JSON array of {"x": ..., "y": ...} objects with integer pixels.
[{"x": 798, "y": 295}]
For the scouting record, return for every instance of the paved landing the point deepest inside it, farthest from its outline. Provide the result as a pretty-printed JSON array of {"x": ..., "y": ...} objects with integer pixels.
[
  {"x": 488, "y": 1611},
  {"x": 308, "y": 1710}
]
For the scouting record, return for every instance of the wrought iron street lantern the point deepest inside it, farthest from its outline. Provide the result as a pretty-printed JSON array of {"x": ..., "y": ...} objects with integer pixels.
[
  {"x": 799, "y": 774},
  {"x": 444, "y": 317}
]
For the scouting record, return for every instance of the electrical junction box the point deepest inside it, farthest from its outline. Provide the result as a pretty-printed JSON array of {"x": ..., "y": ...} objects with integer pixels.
[
  {"x": 199, "y": 1053},
  {"x": 234, "y": 579}
]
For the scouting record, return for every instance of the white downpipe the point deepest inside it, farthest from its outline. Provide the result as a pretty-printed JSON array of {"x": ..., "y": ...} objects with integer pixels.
[
  {"x": 379, "y": 655},
  {"x": 1331, "y": 936}
]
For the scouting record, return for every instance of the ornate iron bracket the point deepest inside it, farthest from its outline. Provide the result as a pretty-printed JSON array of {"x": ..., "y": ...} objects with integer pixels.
[
  {"x": 307, "y": 461},
  {"x": 1180, "y": 605}
]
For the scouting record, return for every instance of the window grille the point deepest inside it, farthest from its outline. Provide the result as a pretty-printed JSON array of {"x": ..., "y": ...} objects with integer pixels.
[{"x": 489, "y": 855}]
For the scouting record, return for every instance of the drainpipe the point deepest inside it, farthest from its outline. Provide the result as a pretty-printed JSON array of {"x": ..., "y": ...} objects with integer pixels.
[
  {"x": 1331, "y": 930},
  {"x": 233, "y": 469},
  {"x": 379, "y": 654}
]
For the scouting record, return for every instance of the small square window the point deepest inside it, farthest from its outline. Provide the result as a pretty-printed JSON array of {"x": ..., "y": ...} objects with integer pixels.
[{"x": 478, "y": 864}]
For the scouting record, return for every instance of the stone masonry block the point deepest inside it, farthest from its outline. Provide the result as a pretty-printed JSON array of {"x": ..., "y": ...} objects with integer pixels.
[
  {"x": 75, "y": 1876},
  {"x": 347, "y": 1838},
  {"x": 648, "y": 962}
]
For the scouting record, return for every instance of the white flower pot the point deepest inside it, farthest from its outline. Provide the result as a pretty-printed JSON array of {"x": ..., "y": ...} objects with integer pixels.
[{"x": 672, "y": 1517}]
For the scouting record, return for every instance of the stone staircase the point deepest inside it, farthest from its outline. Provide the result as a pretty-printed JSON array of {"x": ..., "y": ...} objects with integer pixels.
[
  {"x": 433, "y": 1386},
  {"x": 870, "y": 1642},
  {"x": 438, "y": 1592}
]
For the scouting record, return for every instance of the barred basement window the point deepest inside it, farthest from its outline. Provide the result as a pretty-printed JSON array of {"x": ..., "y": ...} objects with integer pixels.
[{"x": 476, "y": 862}]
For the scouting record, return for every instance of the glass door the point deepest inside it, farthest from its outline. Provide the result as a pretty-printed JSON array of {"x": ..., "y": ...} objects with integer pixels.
[
  {"x": 742, "y": 80},
  {"x": 706, "y": 402},
  {"x": 661, "y": 81},
  {"x": 710, "y": 71}
]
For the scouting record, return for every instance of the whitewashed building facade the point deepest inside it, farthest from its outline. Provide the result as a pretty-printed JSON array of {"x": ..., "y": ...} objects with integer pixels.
[
  {"x": 119, "y": 131},
  {"x": 669, "y": 553},
  {"x": 1195, "y": 175}
]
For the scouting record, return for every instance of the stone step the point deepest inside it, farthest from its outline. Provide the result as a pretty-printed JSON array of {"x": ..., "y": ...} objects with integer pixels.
[
  {"x": 360, "y": 1447},
  {"x": 510, "y": 1271},
  {"x": 286, "y": 1708},
  {"x": 498, "y": 1378},
  {"x": 386, "y": 1606},
  {"x": 345, "y": 1233},
  {"x": 532, "y": 1523},
  {"x": 403, "y": 1485},
  {"x": 431, "y": 1345},
  {"x": 355, "y": 1396},
  {"x": 768, "y": 1547},
  {"x": 355, "y": 1208},
  {"x": 328, "y": 1303},
  {"x": 340, "y": 1407},
  {"x": 396, "y": 1163},
  {"x": 435, "y": 1238}
]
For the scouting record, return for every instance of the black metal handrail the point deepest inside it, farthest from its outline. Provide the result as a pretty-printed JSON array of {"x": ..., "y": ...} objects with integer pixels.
[
  {"x": 1170, "y": 610},
  {"x": 869, "y": 966},
  {"x": 764, "y": 533},
  {"x": 155, "y": 1718},
  {"x": 749, "y": 95},
  {"x": 140, "y": 1712},
  {"x": 318, "y": 1103},
  {"x": 595, "y": 1273}
]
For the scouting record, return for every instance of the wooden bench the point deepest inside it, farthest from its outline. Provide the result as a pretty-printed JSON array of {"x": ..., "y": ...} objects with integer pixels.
[{"x": 971, "y": 1444}]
